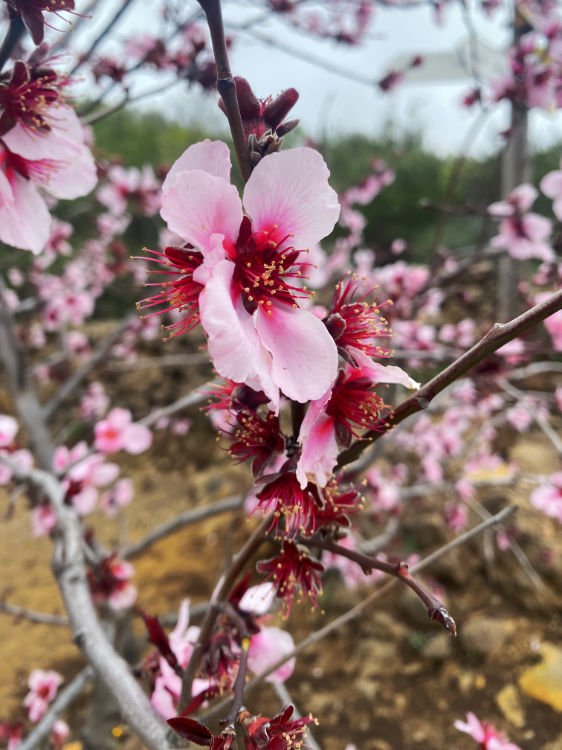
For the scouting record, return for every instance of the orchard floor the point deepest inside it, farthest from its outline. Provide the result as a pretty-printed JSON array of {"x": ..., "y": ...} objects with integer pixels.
[{"x": 391, "y": 680}]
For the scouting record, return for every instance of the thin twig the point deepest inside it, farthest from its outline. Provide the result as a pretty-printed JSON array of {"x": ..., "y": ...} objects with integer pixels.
[
  {"x": 75, "y": 380},
  {"x": 64, "y": 699},
  {"x": 497, "y": 336},
  {"x": 189, "y": 517},
  {"x": 358, "y": 609},
  {"x": 101, "y": 36},
  {"x": 225, "y": 84},
  {"x": 41, "y": 618},
  {"x": 13, "y": 35},
  {"x": 218, "y": 598},
  {"x": 69, "y": 569},
  {"x": 197, "y": 396}
]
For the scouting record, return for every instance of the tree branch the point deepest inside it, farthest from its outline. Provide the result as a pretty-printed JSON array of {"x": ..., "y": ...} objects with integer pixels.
[
  {"x": 75, "y": 380},
  {"x": 194, "y": 515},
  {"x": 218, "y": 599},
  {"x": 70, "y": 572},
  {"x": 225, "y": 84},
  {"x": 497, "y": 336},
  {"x": 41, "y": 618},
  {"x": 358, "y": 609},
  {"x": 64, "y": 699}
]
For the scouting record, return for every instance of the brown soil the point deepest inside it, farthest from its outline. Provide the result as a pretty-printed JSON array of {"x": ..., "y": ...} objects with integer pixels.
[{"x": 390, "y": 681}]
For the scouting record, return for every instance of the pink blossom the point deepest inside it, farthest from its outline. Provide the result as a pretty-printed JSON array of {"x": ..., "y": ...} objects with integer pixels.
[
  {"x": 548, "y": 496},
  {"x": 119, "y": 496},
  {"x": 346, "y": 409},
  {"x": 8, "y": 430},
  {"x": 523, "y": 235},
  {"x": 258, "y": 599},
  {"x": 43, "y": 520},
  {"x": 94, "y": 402},
  {"x": 110, "y": 583},
  {"x": 484, "y": 733},
  {"x": 59, "y": 734},
  {"x": 167, "y": 688},
  {"x": 118, "y": 432},
  {"x": 267, "y": 647},
  {"x": 84, "y": 472},
  {"x": 56, "y": 160},
  {"x": 551, "y": 185},
  {"x": 247, "y": 295},
  {"x": 43, "y": 686}
]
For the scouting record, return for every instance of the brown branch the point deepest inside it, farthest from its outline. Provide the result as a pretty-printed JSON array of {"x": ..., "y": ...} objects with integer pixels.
[
  {"x": 41, "y": 618},
  {"x": 101, "y": 36},
  {"x": 225, "y": 84},
  {"x": 15, "y": 32},
  {"x": 400, "y": 570},
  {"x": 69, "y": 569},
  {"x": 25, "y": 401},
  {"x": 497, "y": 336},
  {"x": 192, "y": 516},
  {"x": 217, "y": 602},
  {"x": 358, "y": 609},
  {"x": 75, "y": 380}
]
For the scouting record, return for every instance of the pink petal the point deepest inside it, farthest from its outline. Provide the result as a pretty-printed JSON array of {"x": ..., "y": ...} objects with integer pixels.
[
  {"x": 525, "y": 195},
  {"x": 234, "y": 345},
  {"x": 319, "y": 453},
  {"x": 317, "y": 437},
  {"x": 290, "y": 190},
  {"x": 137, "y": 439},
  {"x": 267, "y": 647},
  {"x": 26, "y": 222},
  {"x": 198, "y": 205},
  {"x": 551, "y": 184},
  {"x": 383, "y": 373},
  {"x": 73, "y": 178},
  {"x": 212, "y": 157},
  {"x": 304, "y": 355},
  {"x": 62, "y": 142}
]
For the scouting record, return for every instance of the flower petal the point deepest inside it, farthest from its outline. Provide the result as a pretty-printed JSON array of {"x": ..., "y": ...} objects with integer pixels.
[
  {"x": 290, "y": 190},
  {"x": 234, "y": 345},
  {"x": 198, "y": 205},
  {"x": 208, "y": 156},
  {"x": 382, "y": 373},
  {"x": 25, "y": 222},
  {"x": 304, "y": 355},
  {"x": 319, "y": 453}
]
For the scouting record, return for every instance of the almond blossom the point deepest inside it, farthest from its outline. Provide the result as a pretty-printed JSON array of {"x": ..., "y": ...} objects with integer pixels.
[
  {"x": 118, "y": 432},
  {"x": 548, "y": 496},
  {"x": 485, "y": 734},
  {"x": 522, "y": 234},
  {"x": 243, "y": 276},
  {"x": 551, "y": 185},
  {"x": 43, "y": 686},
  {"x": 56, "y": 159}
]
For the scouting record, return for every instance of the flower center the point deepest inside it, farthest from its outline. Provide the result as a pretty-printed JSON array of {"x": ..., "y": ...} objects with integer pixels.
[{"x": 265, "y": 269}]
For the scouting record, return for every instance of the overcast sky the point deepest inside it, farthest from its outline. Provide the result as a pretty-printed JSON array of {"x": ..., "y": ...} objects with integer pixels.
[{"x": 330, "y": 103}]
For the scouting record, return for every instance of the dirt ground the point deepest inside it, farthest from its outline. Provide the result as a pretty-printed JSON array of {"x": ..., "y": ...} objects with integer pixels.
[{"x": 389, "y": 681}]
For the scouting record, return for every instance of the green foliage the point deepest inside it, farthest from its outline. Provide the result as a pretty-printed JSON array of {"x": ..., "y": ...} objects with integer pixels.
[{"x": 136, "y": 138}]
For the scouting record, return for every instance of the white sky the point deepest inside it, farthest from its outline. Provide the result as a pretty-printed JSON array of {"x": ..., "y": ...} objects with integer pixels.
[{"x": 332, "y": 104}]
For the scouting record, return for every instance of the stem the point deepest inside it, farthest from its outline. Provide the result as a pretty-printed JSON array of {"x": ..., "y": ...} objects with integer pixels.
[
  {"x": 13, "y": 35},
  {"x": 218, "y": 600},
  {"x": 225, "y": 84},
  {"x": 240, "y": 683},
  {"x": 496, "y": 337},
  {"x": 358, "y": 609},
  {"x": 399, "y": 570}
]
